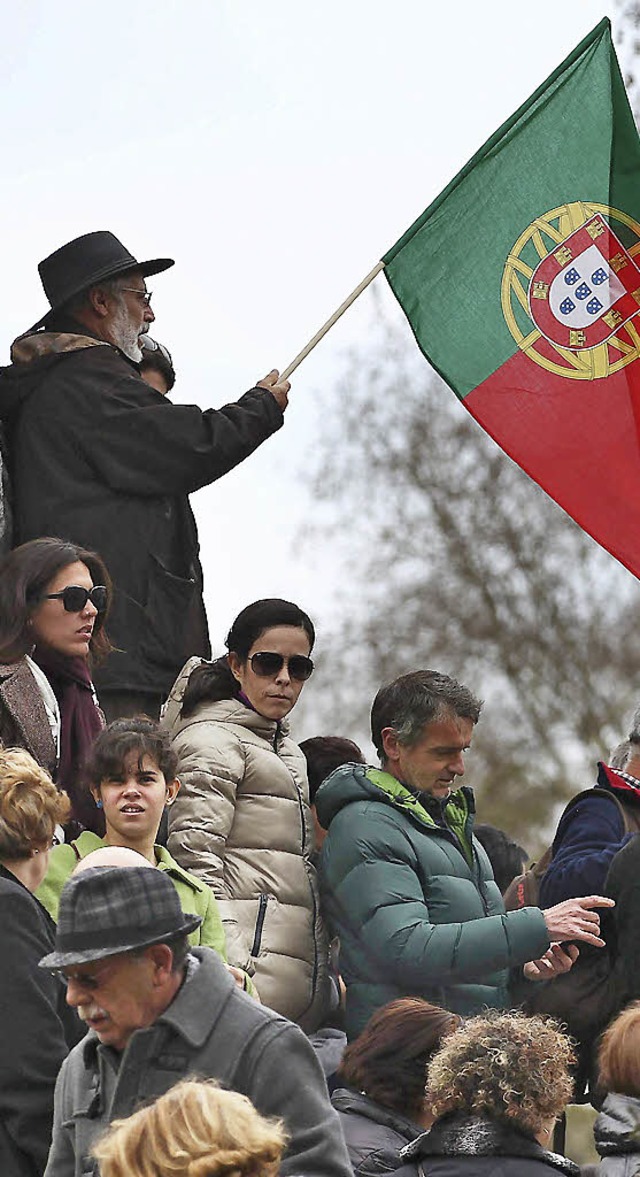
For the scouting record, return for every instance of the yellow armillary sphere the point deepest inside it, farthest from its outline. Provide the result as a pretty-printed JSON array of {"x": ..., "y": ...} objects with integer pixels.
[{"x": 571, "y": 290}]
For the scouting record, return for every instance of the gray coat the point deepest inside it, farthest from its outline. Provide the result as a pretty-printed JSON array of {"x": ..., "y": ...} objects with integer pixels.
[
  {"x": 213, "y": 1030},
  {"x": 614, "y": 1131}
]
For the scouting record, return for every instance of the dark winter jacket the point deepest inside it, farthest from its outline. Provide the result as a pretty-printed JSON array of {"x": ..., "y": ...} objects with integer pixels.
[
  {"x": 213, "y": 1030},
  {"x": 37, "y": 1028},
  {"x": 99, "y": 457},
  {"x": 468, "y": 1146},
  {"x": 589, "y": 834},
  {"x": 617, "y": 1136},
  {"x": 623, "y": 942},
  {"x": 374, "y": 1134},
  {"x": 414, "y": 902}
]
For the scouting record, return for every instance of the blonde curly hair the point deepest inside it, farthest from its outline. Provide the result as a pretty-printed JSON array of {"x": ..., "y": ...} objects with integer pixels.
[
  {"x": 196, "y": 1129},
  {"x": 505, "y": 1066}
]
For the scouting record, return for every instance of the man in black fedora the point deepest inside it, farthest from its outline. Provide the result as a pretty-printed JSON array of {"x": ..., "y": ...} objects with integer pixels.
[
  {"x": 158, "y": 1012},
  {"x": 99, "y": 457}
]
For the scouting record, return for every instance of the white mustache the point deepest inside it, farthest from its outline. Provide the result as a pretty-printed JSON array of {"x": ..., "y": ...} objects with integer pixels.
[{"x": 88, "y": 1012}]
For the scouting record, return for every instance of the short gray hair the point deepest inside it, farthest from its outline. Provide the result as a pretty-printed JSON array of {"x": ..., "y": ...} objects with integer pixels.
[
  {"x": 112, "y": 286},
  {"x": 623, "y": 752},
  {"x": 621, "y": 755},
  {"x": 413, "y": 700}
]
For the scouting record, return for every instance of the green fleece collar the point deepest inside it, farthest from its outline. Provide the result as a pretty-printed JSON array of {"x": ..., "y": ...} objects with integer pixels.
[
  {"x": 87, "y": 841},
  {"x": 456, "y": 811}
]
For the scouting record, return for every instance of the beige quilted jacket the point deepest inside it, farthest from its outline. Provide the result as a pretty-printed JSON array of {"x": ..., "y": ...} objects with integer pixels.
[{"x": 241, "y": 822}]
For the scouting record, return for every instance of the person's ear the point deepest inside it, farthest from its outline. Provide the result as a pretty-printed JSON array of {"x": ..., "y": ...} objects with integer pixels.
[
  {"x": 235, "y": 665},
  {"x": 390, "y": 743},
  {"x": 99, "y": 301},
  {"x": 95, "y": 793},
  {"x": 161, "y": 958},
  {"x": 172, "y": 791}
]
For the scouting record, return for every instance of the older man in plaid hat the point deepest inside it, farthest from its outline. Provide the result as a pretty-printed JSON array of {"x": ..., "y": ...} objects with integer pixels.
[{"x": 158, "y": 1011}]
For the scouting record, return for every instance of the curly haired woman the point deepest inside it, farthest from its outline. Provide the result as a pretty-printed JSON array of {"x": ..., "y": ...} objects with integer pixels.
[{"x": 496, "y": 1087}]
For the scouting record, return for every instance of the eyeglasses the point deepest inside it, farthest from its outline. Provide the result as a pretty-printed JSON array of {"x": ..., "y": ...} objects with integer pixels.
[
  {"x": 145, "y": 295},
  {"x": 149, "y": 344},
  {"x": 74, "y": 597},
  {"x": 267, "y": 665}
]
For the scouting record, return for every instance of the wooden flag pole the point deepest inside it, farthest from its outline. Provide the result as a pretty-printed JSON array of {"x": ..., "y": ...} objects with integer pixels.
[{"x": 334, "y": 319}]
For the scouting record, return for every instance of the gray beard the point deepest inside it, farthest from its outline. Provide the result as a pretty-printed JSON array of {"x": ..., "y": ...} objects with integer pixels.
[{"x": 125, "y": 335}]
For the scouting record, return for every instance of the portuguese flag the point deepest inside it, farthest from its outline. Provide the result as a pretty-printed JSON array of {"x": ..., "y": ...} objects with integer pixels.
[{"x": 522, "y": 285}]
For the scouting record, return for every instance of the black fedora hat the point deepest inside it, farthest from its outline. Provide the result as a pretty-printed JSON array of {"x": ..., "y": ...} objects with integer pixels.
[
  {"x": 106, "y": 910},
  {"x": 85, "y": 261}
]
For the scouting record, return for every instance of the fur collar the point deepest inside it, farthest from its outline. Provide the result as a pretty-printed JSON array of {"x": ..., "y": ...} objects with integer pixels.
[{"x": 476, "y": 1136}]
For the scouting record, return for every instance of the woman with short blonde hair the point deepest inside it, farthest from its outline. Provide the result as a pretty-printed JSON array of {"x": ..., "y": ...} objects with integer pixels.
[
  {"x": 496, "y": 1087},
  {"x": 37, "y": 1028},
  {"x": 616, "y": 1127},
  {"x": 30, "y": 807},
  {"x": 196, "y": 1129}
]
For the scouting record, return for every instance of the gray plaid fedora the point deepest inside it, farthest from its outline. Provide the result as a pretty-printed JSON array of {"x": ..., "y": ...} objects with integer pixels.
[{"x": 106, "y": 910}]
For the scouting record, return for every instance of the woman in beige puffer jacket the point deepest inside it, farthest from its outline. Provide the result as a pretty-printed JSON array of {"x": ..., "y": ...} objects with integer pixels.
[{"x": 241, "y": 821}]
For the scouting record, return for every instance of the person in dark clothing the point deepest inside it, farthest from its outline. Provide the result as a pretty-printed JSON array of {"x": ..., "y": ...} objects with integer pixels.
[
  {"x": 381, "y": 1098},
  {"x": 99, "y": 457},
  {"x": 590, "y": 833},
  {"x": 616, "y": 1130},
  {"x": 54, "y": 600},
  {"x": 323, "y": 754},
  {"x": 496, "y": 1087},
  {"x": 37, "y": 1028},
  {"x": 507, "y": 858},
  {"x": 156, "y": 365},
  {"x": 623, "y": 885}
]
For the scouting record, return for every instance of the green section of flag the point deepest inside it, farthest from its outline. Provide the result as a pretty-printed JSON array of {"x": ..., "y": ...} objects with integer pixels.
[{"x": 573, "y": 140}]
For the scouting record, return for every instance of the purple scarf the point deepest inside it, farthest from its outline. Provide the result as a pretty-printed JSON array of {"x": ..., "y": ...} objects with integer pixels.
[{"x": 81, "y": 721}]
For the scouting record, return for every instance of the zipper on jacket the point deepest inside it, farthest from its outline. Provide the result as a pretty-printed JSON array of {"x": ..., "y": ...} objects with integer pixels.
[
  {"x": 257, "y": 935},
  {"x": 303, "y": 830}
]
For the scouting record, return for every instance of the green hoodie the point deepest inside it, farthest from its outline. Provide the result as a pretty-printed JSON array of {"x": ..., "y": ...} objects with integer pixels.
[{"x": 413, "y": 901}]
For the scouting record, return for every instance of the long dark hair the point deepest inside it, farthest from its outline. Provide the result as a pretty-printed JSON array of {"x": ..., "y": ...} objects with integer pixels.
[
  {"x": 212, "y": 681},
  {"x": 24, "y": 575}
]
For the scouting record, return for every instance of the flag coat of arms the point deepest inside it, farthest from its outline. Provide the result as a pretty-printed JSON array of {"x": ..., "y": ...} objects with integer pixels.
[{"x": 522, "y": 286}]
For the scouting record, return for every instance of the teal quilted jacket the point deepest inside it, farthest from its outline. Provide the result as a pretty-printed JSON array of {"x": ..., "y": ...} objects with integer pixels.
[{"x": 415, "y": 904}]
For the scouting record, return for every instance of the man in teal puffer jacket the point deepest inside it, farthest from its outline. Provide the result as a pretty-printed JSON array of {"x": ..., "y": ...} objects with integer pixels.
[{"x": 407, "y": 888}]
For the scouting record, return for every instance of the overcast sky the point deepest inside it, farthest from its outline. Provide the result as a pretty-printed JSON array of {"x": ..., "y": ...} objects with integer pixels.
[{"x": 275, "y": 150}]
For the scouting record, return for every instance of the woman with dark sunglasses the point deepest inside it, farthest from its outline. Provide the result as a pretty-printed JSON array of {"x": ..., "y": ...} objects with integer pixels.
[
  {"x": 241, "y": 821},
  {"x": 54, "y": 600}
]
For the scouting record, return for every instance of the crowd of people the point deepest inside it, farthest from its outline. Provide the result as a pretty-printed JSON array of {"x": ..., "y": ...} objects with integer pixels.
[{"x": 224, "y": 952}]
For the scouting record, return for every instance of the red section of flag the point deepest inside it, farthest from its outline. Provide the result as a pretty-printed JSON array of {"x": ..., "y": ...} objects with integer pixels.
[{"x": 579, "y": 439}]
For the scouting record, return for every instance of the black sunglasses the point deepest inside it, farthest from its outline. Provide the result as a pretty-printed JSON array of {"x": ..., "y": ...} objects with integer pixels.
[
  {"x": 74, "y": 597},
  {"x": 267, "y": 665}
]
